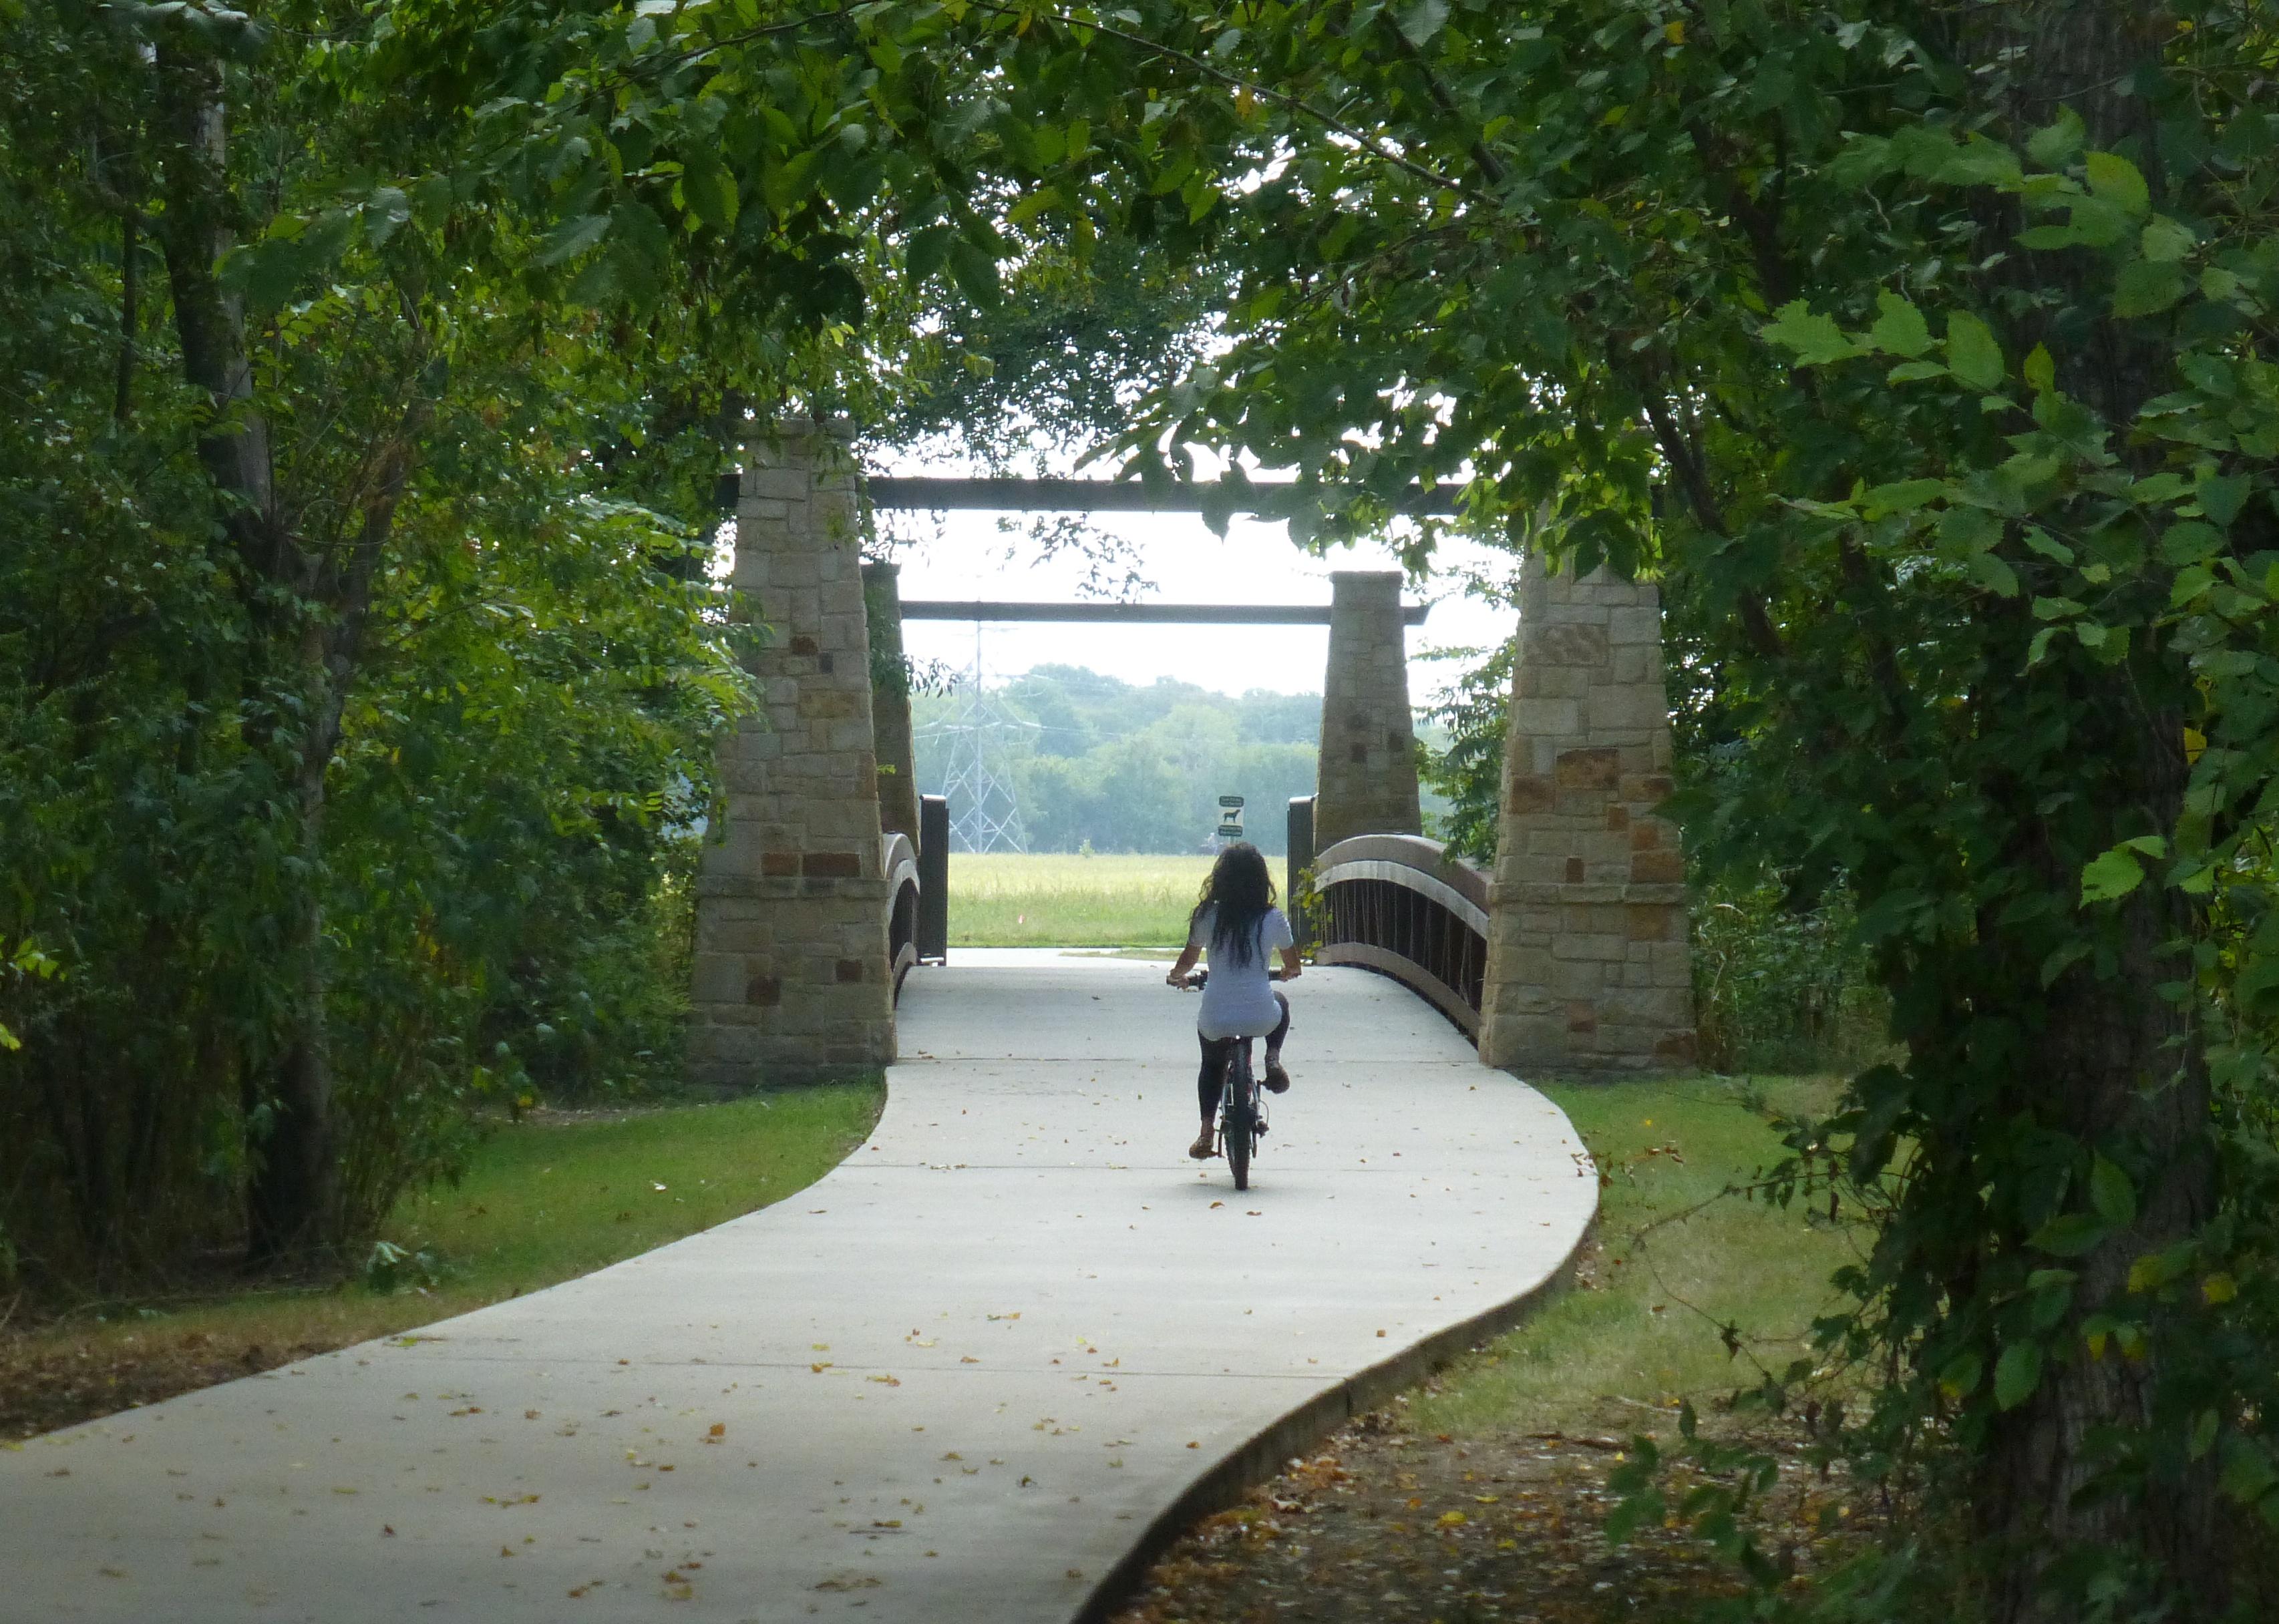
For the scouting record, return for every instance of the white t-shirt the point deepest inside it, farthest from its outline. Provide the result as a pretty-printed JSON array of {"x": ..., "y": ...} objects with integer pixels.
[{"x": 1239, "y": 999}]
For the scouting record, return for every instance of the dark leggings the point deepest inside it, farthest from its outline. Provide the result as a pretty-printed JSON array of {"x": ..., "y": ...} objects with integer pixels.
[{"x": 1211, "y": 1080}]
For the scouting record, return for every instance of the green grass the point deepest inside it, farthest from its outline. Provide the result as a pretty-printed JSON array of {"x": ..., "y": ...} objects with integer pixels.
[
  {"x": 1624, "y": 1341},
  {"x": 545, "y": 1201},
  {"x": 1057, "y": 899}
]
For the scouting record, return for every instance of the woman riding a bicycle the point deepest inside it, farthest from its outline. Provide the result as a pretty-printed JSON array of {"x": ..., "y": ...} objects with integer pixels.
[{"x": 1236, "y": 922}]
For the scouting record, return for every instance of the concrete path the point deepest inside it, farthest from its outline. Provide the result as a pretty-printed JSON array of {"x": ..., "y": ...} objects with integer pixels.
[{"x": 964, "y": 1376}]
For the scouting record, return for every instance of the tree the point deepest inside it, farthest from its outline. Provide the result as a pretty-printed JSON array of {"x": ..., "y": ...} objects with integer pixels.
[
  {"x": 1947, "y": 335},
  {"x": 307, "y": 463}
]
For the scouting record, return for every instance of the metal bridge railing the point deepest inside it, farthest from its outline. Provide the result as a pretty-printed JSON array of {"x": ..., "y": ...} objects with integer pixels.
[
  {"x": 1400, "y": 904},
  {"x": 899, "y": 861},
  {"x": 918, "y": 891}
]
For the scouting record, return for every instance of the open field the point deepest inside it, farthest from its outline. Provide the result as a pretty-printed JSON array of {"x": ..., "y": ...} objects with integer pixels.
[
  {"x": 546, "y": 1200},
  {"x": 1060, "y": 899}
]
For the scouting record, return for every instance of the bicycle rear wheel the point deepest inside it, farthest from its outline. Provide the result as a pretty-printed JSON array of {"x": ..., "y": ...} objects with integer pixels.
[{"x": 1240, "y": 1131}]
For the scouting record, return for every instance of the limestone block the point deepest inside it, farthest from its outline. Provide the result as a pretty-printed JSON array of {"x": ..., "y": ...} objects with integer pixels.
[
  {"x": 1366, "y": 772},
  {"x": 1580, "y": 853},
  {"x": 786, "y": 892}
]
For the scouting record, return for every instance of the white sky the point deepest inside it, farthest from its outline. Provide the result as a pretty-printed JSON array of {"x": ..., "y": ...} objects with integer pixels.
[{"x": 968, "y": 558}]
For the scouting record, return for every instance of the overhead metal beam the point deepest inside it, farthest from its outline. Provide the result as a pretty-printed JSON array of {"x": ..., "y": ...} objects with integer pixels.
[
  {"x": 1141, "y": 614},
  {"x": 1270, "y": 498}
]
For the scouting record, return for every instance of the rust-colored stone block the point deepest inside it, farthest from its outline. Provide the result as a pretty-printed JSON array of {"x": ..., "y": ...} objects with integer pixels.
[
  {"x": 1574, "y": 871},
  {"x": 805, "y": 645},
  {"x": 1618, "y": 816},
  {"x": 764, "y": 991},
  {"x": 1652, "y": 924},
  {"x": 1645, "y": 836},
  {"x": 1582, "y": 1017},
  {"x": 831, "y": 865},
  {"x": 1675, "y": 1050},
  {"x": 1597, "y": 769},
  {"x": 1357, "y": 753},
  {"x": 779, "y": 865},
  {"x": 1527, "y": 794},
  {"x": 1657, "y": 869},
  {"x": 1568, "y": 644},
  {"x": 848, "y": 970}
]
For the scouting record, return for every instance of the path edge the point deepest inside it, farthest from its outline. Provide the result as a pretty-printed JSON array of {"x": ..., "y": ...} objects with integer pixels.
[{"x": 1265, "y": 1452}]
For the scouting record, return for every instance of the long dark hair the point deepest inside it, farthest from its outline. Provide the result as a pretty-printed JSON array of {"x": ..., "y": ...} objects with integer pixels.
[{"x": 1241, "y": 887}]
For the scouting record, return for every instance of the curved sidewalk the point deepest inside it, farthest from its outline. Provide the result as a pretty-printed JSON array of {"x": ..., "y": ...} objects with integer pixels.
[{"x": 963, "y": 1377}]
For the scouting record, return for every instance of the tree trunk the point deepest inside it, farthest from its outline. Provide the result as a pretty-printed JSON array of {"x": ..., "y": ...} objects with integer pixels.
[
  {"x": 2120, "y": 1065},
  {"x": 290, "y": 1205}
]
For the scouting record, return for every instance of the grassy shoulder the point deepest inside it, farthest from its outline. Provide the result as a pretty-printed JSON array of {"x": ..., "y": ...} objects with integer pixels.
[
  {"x": 1063, "y": 899},
  {"x": 1482, "y": 1494},
  {"x": 546, "y": 1200},
  {"x": 1671, "y": 1264}
]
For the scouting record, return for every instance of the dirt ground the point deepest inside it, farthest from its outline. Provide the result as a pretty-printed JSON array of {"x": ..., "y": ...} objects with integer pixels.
[
  {"x": 44, "y": 1386},
  {"x": 1382, "y": 1525}
]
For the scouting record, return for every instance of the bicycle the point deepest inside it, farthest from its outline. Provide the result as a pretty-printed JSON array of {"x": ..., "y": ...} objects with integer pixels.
[{"x": 1241, "y": 1109}]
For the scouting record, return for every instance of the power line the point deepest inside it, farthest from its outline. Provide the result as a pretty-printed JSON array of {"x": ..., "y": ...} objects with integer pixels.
[{"x": 985, "y": 813}]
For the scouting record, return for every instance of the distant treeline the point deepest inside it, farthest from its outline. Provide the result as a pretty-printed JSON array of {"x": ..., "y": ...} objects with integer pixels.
[{"x": 1093, "y": 760}]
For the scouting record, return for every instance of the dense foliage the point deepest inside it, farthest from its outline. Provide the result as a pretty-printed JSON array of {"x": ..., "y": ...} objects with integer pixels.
[
  {"x": 339, "y": 797},
  {"x": 1947, "y": 330}
]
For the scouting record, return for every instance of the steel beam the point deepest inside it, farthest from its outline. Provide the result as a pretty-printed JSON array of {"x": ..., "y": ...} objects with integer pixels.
[
  {"x": 1143, "y": 614},
  {"x": 1269, "y": 498}
]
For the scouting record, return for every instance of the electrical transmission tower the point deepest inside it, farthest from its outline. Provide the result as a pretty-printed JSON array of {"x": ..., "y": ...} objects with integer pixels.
[{"x": 984, "y": 815}]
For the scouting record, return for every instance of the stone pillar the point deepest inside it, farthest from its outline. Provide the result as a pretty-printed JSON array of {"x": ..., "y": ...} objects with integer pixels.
[
  {"x": 1588, "y": 965},
  {"x": 1366, "y": 780},
  {"x": 890, "y": 701},
  {"x": 792, "y": 981}
]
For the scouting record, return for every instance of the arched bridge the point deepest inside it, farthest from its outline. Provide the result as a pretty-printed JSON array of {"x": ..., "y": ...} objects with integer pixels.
[{"x": 827, "y": 884}]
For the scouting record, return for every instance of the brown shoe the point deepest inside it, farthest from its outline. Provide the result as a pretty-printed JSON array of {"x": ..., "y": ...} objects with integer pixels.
[
  {"x": 1202, "y": 1149},
  {"x": 1277, "y": 1081}
]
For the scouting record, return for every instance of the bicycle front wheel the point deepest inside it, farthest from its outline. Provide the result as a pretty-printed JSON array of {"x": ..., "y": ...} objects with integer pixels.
[{"x": 1241, "y": 1133}]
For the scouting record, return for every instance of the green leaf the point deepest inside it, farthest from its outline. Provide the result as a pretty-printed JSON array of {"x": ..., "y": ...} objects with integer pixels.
[
  {"x": 974, "y": 270},
  {"x": 1902, "y": 496},
  {"x": 2222, "y": 497},
  {"x": 1972, "y": 353},
  {"x": 2053, "y": 147},
  {"x": 2112, "y": 1193},
  {"x": 1988, "y": 570},
  {"x": 2041, "y": 372},
  {"x": 2166, "y": 241},
  {"x": 2145, "y": 287},
  {"x": 709, "y": 191},
  {"x": 1958, "y": 1378},
  {"x": 2203, "y": 1438},
  {"x": 2190, "y": 583},
  {"x": 1814, "y": 340},
  {"x": 2017, "y": 1374},
  {"x": 1900, "y": 329},
  {"x": 1634, "y": 1512},
  {"x": 928, "y": 252},
  {"x": 572, "y": 238},
  {"x": 2068, "y": 1235},
  {"x": 386, "y": 211},
  {"x": 2189, "y": 542},
  {"x": 1424, "y": 19},
  {"x": 2116, "y": 180},
  {"x": 2114, "y": 874}
]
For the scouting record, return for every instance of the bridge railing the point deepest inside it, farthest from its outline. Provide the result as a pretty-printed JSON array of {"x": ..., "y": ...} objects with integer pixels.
[
  {"x": 1400, "y": 904},
  {"x": 899, "y": 863}
]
